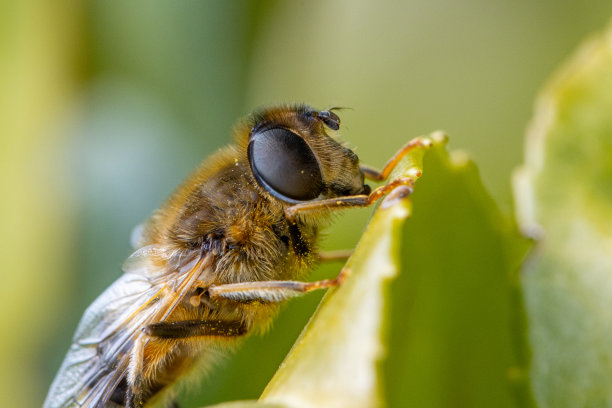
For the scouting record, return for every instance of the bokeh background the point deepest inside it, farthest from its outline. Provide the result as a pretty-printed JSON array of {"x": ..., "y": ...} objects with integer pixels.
[{"x": 106, "y": 106}]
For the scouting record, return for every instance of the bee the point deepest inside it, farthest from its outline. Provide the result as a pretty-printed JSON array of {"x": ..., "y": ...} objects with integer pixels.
[{"x": 214, "y": 263}]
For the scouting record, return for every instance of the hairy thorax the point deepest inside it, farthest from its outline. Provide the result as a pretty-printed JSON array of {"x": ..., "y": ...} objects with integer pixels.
[{"x": 247, "y": 232}]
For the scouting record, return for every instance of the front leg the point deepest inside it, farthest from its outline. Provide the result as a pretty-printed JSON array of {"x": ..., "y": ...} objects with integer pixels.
[
  {"x": 351, "y": 201},
  {"x": 381, "y": 175},
  {"x": 403, "y": 186},
  {"x": 271, "y": 291}
]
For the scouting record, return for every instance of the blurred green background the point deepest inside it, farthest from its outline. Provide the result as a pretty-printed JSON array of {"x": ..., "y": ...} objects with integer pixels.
[{"x": 106, "y": 106}]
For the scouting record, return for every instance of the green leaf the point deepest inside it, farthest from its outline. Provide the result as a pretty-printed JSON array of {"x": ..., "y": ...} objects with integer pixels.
[
  {"x": 455, "y": 323},
  {"x": 335, "y": 360},
  {"x": 564, "y": 200}
]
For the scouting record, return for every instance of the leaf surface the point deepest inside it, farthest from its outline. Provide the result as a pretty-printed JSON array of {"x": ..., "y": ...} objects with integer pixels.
[{"x": 564, "y": 201}]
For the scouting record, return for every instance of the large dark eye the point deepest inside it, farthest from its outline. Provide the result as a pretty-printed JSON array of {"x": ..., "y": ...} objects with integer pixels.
[{"x": 284, "y": 164}]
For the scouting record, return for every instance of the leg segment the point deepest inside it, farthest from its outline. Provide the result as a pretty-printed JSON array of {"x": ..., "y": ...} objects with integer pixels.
[
  {"x": 370, "y": 173},
  {"x": 195, "y": 328},
  {"x": 380, "y": 175},
  {"x": 332, "y": 256},
  {"x": 348, "y": 201},
  {"x": 135, "y": 390},
  {"x": 271, "y": 291},
  {"x": 262, "y": 291}
]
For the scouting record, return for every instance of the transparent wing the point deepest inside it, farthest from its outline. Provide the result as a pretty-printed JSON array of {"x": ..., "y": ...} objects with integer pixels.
[{"x": 100, "y": 354}]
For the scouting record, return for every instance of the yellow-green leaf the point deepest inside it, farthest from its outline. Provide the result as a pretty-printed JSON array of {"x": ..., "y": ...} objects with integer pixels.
[
  {"x": 564, "y": 200},
  {"x": 335, "y": 361},
  {"x": 455, "y": 321}
]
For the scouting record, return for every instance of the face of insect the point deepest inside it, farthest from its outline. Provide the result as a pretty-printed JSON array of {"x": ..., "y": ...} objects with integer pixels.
[
  {"x": 294, "y": 159},
  {"x": 214, "y": 262}
]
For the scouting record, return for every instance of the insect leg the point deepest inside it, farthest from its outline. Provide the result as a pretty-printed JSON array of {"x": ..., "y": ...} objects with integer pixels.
[
  {"x": 134, "y": 397},
  {"x": 349, "y": 201},
  {"x": 272, "y": 291},
  {"x": 380, "y": 175},
  {"x": 195, "y": 328},
  {"x": 332, "y": 256}
]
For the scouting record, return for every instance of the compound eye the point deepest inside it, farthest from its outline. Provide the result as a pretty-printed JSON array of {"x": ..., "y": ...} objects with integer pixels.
[{"x": 285, "y": 165}]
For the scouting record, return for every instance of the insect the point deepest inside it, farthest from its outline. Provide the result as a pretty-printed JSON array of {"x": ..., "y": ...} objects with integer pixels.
[{"x": 214, "y": 263}]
